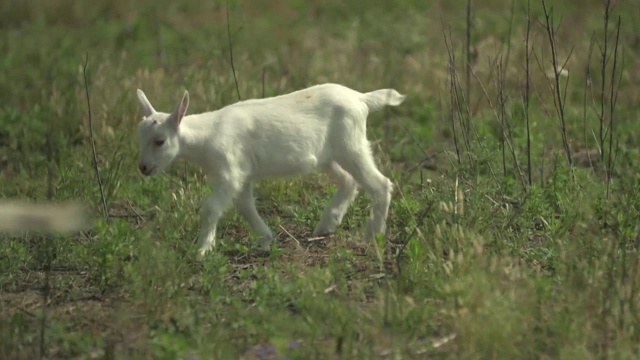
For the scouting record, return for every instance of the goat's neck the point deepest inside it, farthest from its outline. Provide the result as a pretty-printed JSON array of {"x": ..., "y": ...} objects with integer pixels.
[{"x": 192, "y": 140}]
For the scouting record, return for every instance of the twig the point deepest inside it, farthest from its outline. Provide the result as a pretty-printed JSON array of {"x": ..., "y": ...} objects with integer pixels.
[
  {"x": 233, "y": 67},
  {"x": 290, "y": 235},
  {"x": 506, "y": 62},
  {"x": 558, "y": 98},
  {"x": 501, "y": 103},
  {"x": 452, "y": 98},
  {"x": 386, "y": 123},
  {"x": 492, "y": 65},
  {"x": 527, "y": 90},
  {"x": 91, "y": 138},
  {"x": 588, "y": 86},
  {"x": 612, "y": 102},
  {"x": 497, "y": 117},
  {"x": 468, "y": 49},
  {"x": 412, "y": 169},
  {"x": 456, "y": 104},
  {"x": 607, "y": 8},
  {"x": 317, "y": 238},
  {"x": 460, "y": 106}
]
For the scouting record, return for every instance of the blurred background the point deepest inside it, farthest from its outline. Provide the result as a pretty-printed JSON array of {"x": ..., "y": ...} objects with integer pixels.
[{"x": 279, "y": 46}]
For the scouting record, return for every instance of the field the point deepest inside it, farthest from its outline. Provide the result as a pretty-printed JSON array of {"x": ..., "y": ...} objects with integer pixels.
[{"x": 513, "y": 231}]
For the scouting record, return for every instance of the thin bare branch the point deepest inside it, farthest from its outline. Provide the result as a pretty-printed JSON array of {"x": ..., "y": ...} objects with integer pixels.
[
  {"x": 460, "y": 107},
  {"x": 527, "y": 89},
  {"x": 612, "y": 102},
  {"x": 461, "y": 104},
  {"x": 92, "y": 139},
  {"x": 558, "y": 98},
  {"x": 468, "y": 51},
  {"x": 506, "y": 62},
  {"x": 588, "y": 82},
  {"x": 497, "y": 117},
  {"x": 501, "y": 115},
  {"x": 233, "y": 67},
  {"x": 451, "y": 64},
  {"x": 603, "y": 69}
]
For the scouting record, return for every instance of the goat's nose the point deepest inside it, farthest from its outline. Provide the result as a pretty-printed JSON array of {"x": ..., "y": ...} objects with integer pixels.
[{"x": 143, "y": 168}]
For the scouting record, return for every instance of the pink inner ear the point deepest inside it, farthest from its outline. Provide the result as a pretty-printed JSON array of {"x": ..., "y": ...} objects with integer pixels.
[{"x": 182, "y": 109}]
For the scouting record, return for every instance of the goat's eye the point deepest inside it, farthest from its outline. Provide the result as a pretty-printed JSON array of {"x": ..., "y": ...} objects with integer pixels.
[{"x": 159, "y": 142}]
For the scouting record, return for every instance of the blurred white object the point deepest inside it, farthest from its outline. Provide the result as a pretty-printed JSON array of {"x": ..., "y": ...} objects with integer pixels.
[{"x": 17, "y": 216}]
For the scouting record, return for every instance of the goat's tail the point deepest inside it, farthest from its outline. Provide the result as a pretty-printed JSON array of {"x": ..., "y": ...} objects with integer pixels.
[{"x": 378, "y": 99}]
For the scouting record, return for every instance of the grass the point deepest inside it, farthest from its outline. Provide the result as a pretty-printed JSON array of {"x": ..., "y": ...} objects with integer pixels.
[{"x": 476, "y": 262}]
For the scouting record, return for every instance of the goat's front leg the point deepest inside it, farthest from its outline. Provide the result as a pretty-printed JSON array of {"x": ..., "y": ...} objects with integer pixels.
[
  {"x": 246, "y": 207},
  {"x": 212, "y": 210}
]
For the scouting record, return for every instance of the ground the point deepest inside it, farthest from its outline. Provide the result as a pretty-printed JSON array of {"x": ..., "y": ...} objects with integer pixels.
[{"x": 513, "y": 228}]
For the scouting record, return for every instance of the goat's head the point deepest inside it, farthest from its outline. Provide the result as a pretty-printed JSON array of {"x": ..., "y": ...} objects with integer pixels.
[{"x": 158, "y": 135}]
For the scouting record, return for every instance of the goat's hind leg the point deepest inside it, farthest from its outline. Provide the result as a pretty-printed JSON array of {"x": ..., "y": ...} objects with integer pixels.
[
  {"x": 339, "y": 204},
  {"x": 361, "y": 166},
  {"x": 246, "y": 207}
]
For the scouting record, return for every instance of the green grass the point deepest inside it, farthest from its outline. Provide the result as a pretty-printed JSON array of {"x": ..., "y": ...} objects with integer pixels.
[{"x": 473, "y": 266}]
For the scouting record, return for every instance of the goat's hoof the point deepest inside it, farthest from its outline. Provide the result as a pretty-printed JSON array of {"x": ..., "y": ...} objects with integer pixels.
[
  {"x": 322, "y": 232},
  {"x": 202, "y": 252},
  {"x": 261, "y": 252},
  {"x": 264, "y": 245}
]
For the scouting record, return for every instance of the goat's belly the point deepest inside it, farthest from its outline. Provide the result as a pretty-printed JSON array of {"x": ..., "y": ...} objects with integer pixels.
[{"x": 287, "y": 165}]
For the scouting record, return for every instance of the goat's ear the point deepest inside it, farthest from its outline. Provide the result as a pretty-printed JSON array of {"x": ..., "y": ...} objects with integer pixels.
[
  {"x": 181, "y": 110},
  {"x": 145, "y": 104}
]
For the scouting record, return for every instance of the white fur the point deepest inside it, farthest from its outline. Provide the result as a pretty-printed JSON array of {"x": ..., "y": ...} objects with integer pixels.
[{"x": 321, "y": 128}]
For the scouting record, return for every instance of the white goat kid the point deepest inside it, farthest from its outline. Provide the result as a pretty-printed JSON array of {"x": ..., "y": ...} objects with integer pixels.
[{"x": 322, "y": 127}]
